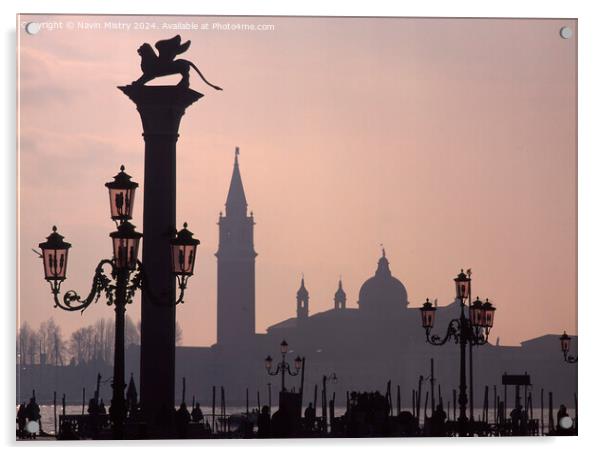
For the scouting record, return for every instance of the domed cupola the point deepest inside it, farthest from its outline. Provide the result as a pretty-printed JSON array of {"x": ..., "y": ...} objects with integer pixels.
[{"x": 383, "y": 293}]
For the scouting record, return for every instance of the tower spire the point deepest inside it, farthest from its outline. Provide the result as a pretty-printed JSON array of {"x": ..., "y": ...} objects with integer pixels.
[
  {"x": 302, "y": 300},
  {"x": 340, "y": 297},
  {"x": 236, "y": 202},
  {"x": 235, "y": 266}
]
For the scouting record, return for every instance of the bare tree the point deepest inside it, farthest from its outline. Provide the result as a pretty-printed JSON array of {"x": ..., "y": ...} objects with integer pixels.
[
  {"x": 59, "y": 347},
  {"x": 100, "y": 329},
  {"x": 32, "y": 347},
  {"x": 51, "y": 342},
  {"x": 179, "y": 334},
  {"x": 76, "y": 345},
  {"x": 43, "y": 338},
  {"x": 132, "y": 334},
  {"x": 109, "y": 341},
  {"x": 24, "y": 343}
]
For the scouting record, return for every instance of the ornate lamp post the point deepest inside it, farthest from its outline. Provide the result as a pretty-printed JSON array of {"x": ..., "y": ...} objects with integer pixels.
[
  {"x": 283, "y": 366},
  {"x": 472, "y": 330},
  {"x": 565, "y": 345},
  {"x": 126, "y": 275}
]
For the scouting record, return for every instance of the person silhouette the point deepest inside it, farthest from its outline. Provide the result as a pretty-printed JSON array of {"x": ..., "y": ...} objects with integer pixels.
[
  {"x": 93, "y": 406},
  {"x": 32, "y": 412},
  {"x": 182, "y": 419},
  {"x": 562, "y": 412},
  {"x": 516, "y": 416},
  {"x": 438, "y": 421},
  {"x": 263, "y": 423},
  {"x": 21, "y": 420},
  {"x": 310, "y": 417},
  {"x": 197, "y": 413}
]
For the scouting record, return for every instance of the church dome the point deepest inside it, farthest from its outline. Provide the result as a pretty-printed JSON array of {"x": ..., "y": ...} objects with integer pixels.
[{"x": 383, "y": 292}]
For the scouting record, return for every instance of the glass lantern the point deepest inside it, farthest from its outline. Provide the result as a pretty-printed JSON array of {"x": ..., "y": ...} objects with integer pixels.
[
  {"x": 476, "y": 313},
  {"x": 488, "y": 313},
  {"x": 268, "y": 363},
  {"x": 54, "y": 256},
  {"x": 121, "y": 196},
  {"x": 125, "y": 246},
  {"x": 284, "y": 347},
  {"x": 428, "y": 314},
  {"x": 462, "y": 286},
  {"x": 183, "y": 252}
]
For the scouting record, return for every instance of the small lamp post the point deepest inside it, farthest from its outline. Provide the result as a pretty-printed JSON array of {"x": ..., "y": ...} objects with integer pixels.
[
  {"x": 565, "y": 346},
  {"x": 283, "y": 366}
]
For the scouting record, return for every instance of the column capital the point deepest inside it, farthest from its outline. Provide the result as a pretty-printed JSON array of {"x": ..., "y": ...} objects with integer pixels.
[{"x": 161, "y": 107}]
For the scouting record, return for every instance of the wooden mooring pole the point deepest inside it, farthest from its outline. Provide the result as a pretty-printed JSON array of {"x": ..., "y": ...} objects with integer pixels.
[
  {"x": 213, "y": 409},
  {"x": 54, "y": 409}
]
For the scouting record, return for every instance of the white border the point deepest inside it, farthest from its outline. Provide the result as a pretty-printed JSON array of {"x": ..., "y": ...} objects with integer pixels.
[{"x": 590, "y": 208}]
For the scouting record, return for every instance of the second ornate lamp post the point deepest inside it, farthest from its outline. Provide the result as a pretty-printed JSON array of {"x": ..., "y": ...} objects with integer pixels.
[
  {"x": 126, "y": 275},
  {"x": 565, "y": 346},
  {"x": 471, "y": 330},
  {"x": 283, "y": 366}
]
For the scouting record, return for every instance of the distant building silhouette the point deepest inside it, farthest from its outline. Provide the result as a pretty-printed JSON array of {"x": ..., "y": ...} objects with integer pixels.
[
  {"x": 235, "y": 267},
  {"x": 340, "y": 298},
  {"x": 383, "y": 293},
  {"x": 302, "y": 301},
  {"x": 378, "y": 340}
]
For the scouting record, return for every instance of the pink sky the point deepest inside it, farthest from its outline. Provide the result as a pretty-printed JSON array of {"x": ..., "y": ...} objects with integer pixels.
[{"x": 452, "y": 142}]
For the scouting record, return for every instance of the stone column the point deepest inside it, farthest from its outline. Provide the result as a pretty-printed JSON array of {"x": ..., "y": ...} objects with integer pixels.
[{"x": 161, "y": 109}]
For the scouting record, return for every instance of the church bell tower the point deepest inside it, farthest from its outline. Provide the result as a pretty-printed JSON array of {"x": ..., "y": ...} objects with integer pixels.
[
  {"x": 235, "y": 267},
  {"x": 302, "y": 301}
]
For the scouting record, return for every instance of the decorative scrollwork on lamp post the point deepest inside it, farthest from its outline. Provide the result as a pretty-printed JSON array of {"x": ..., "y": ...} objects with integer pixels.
[
  {"x": 472, "y": 330},
  {"x": 125, "y": 275}
]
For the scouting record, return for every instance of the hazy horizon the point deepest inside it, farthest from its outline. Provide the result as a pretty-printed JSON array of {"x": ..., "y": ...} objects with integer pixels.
[{"x": 450, "y": 141}]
